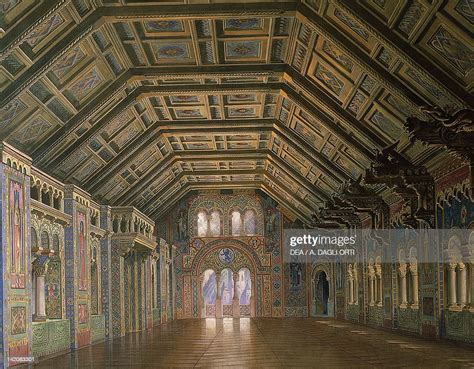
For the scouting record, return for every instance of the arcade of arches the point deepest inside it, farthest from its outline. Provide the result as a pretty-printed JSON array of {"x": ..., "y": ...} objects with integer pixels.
[{"x": 154, "y": 153}]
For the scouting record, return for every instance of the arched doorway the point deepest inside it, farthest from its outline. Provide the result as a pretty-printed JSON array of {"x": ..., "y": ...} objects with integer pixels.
[
  {"x": 209, "y": 293},
  {"x": 321, "y": 293},
  {"x": 230, "y": 274}
]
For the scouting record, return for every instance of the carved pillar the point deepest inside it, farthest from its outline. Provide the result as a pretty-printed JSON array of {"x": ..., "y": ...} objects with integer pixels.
[
  {"x": 414, "y": 279},
  {"x": 378, "y": 273},
  {"x": 218, "y": 297},
  {"x": 351, "y": 287},
  {"x": 462, "y": 284},
  {"x": 235, "y": 298},
  {"x": 371, "y": 285},
  {"x": 355, "y": 289},
  {"x": 452, "y": 284},
  {"x": 403, "y": 285}
]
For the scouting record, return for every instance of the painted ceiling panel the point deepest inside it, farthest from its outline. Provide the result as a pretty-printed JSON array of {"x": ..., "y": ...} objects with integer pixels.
[{"x": 140, "y": 104}]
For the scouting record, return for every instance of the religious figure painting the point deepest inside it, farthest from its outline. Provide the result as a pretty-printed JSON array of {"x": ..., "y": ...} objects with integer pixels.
[
  {"x": 17, "y": 257},
  {"x": 81, "y": 240},
  {"x": 82, "y": 313}
]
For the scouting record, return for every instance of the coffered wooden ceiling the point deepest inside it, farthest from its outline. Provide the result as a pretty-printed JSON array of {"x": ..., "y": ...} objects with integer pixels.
[{"x": 140, "y": 102}]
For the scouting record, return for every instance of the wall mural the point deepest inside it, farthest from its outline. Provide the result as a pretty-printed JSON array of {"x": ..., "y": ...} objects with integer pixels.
[
  {"x": 17, "y": 258},
  {"x": 81, "y": 237},
  {"x": 249, "y": 252}
]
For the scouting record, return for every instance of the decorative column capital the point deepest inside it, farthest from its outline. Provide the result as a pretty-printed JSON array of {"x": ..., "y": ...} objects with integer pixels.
[
  {"x": 452, "y": 266},
  {"x": 402, "y": 270}
]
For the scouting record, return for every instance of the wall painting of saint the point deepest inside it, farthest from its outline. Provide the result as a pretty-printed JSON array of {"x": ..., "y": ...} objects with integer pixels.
[{"x": 17, "y": 257}]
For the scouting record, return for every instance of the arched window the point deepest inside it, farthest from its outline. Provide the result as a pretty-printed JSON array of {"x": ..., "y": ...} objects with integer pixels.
[
  {"x": 244, "y": 287},
  {"x": 56, "y": 244},
  {"x": 202, "y": 224},
  {"x": 249, "y": 222},
  {"x": 34, "y": 238},
  {"x": 209, "y": 287},
  {"x": 45, "y": 240},
  {"x": 226, "y": 287},
  {"x": 34, "y": 192},
  {"x": 215, "y": 223},
  {"x": 236, "y": 223}
]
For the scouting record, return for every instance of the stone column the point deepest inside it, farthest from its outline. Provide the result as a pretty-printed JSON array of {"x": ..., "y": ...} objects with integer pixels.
[
  {"x": 378, "y": 273},
  {"x": 452, "y": 284},
  {"x": 235, "y": 298},
  {"x": 355, "y": 288},
  {"x": 242, "y": 230},
  {"x": 351, "y": 290},
  {"x": 462, "y": 284},
  {"x": 371, "y": 285},
  {"x": 414, "y": 275},
  {"x": 218, "y": 297},
  {"x": 403, "y": 285}
]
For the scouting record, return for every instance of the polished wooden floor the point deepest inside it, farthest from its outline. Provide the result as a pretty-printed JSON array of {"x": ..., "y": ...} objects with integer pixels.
[{"x": 266, "y": 343}]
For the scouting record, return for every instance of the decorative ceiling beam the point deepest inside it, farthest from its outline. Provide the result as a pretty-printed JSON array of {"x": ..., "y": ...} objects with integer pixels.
[
  {"x": 193, "y": 155},
  {"x": 280, "y": 165},
  {"x": 126, "y": 156},
  {"x": 20, "y": 30},
  {"x": 301, "y": 180},
  {"x": 200, "y": 156},
  {"x": 323, "y": 102},
  {"x": 328, "y": 123},
  {"x": 42, "y": 65},
  {"x": 315, "y": 157},
  {"x": 278, "y": 198},
  {"x": 405, "y": 50},
  {"x": 186, "y": 173},
  {"x": 43, "y": 160},
  {"x": 282, "y": 186},
  {"x": 352, "y": 51},
  {"x": 199, "y": 11},
  {"x": 150, "y": 137}
]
